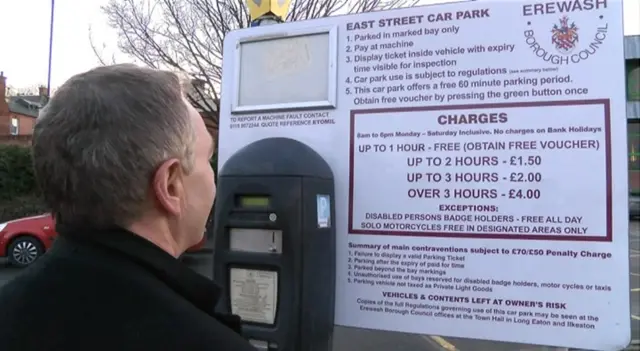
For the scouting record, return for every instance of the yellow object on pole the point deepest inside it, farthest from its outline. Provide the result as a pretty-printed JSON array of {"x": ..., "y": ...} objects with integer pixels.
[{"x": 260, "y": 8}]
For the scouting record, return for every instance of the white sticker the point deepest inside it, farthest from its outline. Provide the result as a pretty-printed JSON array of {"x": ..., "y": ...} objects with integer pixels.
[
  {"x": 254, "y": 294},
  {"x": 324, "y": 210}
]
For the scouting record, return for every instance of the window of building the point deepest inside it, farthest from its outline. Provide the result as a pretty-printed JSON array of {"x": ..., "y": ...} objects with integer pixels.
[
  {"x": 14, "y": 128},
  {"x": 633, "y": 79},
  {"x": 634, "y": 155}
]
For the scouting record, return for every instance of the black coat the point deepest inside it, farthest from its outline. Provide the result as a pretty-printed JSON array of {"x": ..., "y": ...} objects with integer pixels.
[{"x": 113, "y": 290}]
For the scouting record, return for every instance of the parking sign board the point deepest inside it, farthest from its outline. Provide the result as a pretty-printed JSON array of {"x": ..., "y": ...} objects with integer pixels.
[{"x": 479, "y": 154}]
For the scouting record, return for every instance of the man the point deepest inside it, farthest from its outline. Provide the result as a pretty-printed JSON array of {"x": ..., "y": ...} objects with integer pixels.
[{"x": 123, "y": 162}]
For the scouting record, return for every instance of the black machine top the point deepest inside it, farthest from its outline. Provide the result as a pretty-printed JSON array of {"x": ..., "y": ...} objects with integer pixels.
[{"x": 277, "y": 157}]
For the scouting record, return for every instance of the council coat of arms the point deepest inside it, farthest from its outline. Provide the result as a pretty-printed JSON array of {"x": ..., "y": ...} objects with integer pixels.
[{"x": 565, "y": 35}]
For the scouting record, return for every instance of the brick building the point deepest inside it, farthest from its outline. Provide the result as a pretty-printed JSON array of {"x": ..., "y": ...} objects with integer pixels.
[{"x": 18, "y": 114}]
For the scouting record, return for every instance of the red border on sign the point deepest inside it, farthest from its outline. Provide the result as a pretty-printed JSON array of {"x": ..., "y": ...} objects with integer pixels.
[{"x": 606, "y": 103}]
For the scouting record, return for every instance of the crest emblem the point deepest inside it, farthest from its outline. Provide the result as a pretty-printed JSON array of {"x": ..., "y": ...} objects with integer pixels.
[{"x": 564, "y": 36}]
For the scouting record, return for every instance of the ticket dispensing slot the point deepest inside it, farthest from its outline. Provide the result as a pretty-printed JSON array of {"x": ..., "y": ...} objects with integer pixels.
[{"x": 263, "y": 345}]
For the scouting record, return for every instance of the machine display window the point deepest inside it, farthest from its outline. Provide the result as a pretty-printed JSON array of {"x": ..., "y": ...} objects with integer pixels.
[{"x": 253, "y": 202}]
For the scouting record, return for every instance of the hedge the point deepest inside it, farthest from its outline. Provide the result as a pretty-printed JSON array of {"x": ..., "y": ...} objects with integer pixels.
[
  {"x": 16, "y": 172},
  {"x": 23, "y": 206},
  {"x": 18, "y": 189}
]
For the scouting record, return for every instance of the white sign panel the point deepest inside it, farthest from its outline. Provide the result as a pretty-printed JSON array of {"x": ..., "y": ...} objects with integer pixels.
[{"x": 479, "y": 152}]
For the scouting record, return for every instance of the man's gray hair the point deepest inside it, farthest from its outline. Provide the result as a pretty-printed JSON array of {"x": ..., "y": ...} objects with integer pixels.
[{"x": 101, "y": 137}]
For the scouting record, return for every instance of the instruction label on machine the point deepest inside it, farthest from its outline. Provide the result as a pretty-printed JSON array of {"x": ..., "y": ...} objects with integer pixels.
[
  {"x": 254, "y": 294},
  {"x": 479, "y": 151}
]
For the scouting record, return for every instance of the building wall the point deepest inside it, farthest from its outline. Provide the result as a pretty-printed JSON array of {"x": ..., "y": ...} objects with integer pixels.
[
  {"x": 20, "y": 140},
  {"x": 4, "y": 107},
  {"x": 25, "y": 124}
]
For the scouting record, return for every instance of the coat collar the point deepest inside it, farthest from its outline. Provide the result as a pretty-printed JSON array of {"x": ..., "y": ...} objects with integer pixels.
[{"x": 199, "y": 290}]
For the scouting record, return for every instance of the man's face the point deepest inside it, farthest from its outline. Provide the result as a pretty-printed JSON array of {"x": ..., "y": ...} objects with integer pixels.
[{"x": 199, "y": 185}]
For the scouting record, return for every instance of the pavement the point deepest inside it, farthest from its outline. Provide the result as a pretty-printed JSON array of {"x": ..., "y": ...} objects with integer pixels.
[{"x": 353, "y": 339}]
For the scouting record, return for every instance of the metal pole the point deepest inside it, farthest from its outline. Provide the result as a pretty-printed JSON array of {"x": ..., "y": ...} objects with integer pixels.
[
  {"x": 53, "y": 5},
  {"x": 266, "y": 20}
]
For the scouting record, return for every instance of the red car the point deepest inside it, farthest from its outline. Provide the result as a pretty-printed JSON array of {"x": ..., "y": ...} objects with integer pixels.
[{"x": 24, "y": 240}]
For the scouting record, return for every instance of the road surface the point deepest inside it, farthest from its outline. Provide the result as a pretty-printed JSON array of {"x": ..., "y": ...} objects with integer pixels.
[{"x": 352, "y": 339}]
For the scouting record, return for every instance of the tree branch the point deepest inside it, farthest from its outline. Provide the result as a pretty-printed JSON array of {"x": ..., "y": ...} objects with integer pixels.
[{"x": 188, "y": 35}]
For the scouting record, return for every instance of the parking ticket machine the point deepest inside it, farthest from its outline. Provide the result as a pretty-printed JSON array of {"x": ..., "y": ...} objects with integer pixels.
[{"x": 275, "y": 244}]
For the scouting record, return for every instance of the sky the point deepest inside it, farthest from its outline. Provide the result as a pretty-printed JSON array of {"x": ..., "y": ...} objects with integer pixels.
[
  {"x": 26, "y": 39},
  {"x": 24, "y": 46}
]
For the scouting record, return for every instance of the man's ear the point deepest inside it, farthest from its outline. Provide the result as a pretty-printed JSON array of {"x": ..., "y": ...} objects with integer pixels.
[{"x": 168, "y": 187}]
